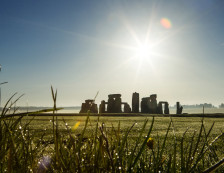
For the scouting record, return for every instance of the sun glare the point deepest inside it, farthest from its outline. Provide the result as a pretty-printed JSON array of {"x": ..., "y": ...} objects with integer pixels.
[{"x": 143, "y": 51}]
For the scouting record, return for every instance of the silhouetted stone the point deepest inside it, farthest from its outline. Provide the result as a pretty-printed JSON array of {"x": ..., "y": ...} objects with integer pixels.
[
  {"x": 127, "y": 108},
  {"x": 166, "y": 108},
  {"x": 102, "y": 108},
  {"x": 144, "y": 105},
  {"x": 110, "y": 105},
  {"x": 148, "y": 105},
  {"x": 135, "y": 102},
  {"x": 179, "y": 108},
  {"x": 117, "y": 104},
  {"x": 160, "y": 108},
  {"x": 152, "y": 104},
  {"x": 89, "y": 105},
  {"x": 114, "y": 103}
]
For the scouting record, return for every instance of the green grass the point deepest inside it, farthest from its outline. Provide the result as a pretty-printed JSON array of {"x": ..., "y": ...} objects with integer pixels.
[
  {"x": 160, "y": 124},
  {"x": 119, "y": 143},
  {"x": 109, "y": 144}
]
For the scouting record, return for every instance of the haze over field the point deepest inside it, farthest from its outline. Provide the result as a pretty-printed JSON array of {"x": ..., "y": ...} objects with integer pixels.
[{"x": 171, "y": 48}]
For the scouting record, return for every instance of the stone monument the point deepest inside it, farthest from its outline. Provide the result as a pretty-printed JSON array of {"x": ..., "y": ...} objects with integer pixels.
[
  {"x": 89, "y": 105},
  {"x": 179, "y": 108},
  {"x": 127, "y": 108},
  {"x": 135, "y": 102}
]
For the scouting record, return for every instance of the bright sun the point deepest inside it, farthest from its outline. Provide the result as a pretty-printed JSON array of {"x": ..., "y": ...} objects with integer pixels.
[{"x": 143, "y": 51}]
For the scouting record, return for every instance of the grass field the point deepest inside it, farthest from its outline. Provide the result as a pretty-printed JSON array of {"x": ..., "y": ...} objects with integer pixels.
[
  {"x": 113, "y": 143},
  {"x": 40, "y": 123},
  {"x": 159, "y": 134}
]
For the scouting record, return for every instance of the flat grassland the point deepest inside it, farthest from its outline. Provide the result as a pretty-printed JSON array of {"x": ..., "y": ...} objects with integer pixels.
[
  {"x": 180, "y": 124},
  {"x": 118, "y": 143}
]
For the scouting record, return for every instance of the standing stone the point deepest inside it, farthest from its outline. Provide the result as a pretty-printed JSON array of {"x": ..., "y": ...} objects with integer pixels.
[
  {"x": 117, "y": 105},
  {"x": 94, "y": 109},
  {"x": 89, "y": 105},
  {"x": 110, "y": 106},
  {"x": 179, "y": 108},
  {"x": 160, "y": 108},
  {"x": 114, "y": 103},
  {"x": 144, "y": 105},
  {"x": 127, "y": 108},
  {"x": 102, "y": 108},
  {"x": 153, "y": 104},
  {"x": 83, "y": 108},
  {"x": 166, "y": 110},
  {"x": 135, "y": 102}
]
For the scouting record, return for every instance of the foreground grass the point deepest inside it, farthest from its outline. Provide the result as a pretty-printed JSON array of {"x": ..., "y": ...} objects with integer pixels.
[{"x": 109, "y": 144}]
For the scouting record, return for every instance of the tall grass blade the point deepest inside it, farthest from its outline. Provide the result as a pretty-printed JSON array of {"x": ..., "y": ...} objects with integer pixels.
[
  {"x": 215, "y": 166},
  {"x": 130, "y": 160},
  {"x": 183, "y": 166},
  {"x": 143, "y": 146}
]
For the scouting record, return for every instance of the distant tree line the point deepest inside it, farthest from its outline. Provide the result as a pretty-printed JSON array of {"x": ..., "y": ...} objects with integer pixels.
[
  {"x": 206, "y": 105},
  {"x": 221, "y": 106}
]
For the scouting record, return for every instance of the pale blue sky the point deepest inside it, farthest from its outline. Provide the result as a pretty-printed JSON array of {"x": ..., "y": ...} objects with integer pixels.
[{"x": 81, "y": 47}]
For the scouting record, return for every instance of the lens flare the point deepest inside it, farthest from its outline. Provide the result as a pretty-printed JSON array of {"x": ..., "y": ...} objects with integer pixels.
[
  {"x": 76, "y": 125},
  {"x": 166, "y": 23},
  {"x": 44, "y": 164}
]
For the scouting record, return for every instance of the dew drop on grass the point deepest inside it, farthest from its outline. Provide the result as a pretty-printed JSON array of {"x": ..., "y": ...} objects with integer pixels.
[
  {"x": 119, "y": 167},
  {"x": 20, "y": 127}
]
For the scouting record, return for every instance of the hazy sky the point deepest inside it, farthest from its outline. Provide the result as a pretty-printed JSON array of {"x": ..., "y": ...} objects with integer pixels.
[{"x": 172, "y": 48}]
